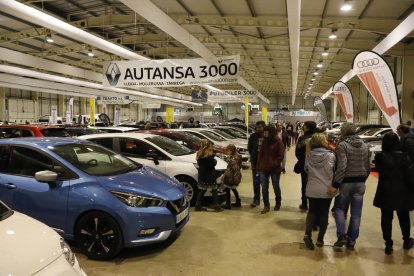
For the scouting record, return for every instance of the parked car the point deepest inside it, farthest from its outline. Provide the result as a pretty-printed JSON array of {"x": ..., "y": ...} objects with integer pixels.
[
  {"x": 79, "y": 131},
  {"x": 229, "y": 137},
  {"x": 232, "y": 131},
  {"x": 160, "y": 153},
  {"x": 118, "y": 129},
  {"x": 374, "y": 134},
  {"x": 30, "y": 247},
  {"x": 360, "y": 129},
  {"x": 15, "y": 131},
  {"x": 374, "y": 148},
  {"x": 90, "y": 194}
]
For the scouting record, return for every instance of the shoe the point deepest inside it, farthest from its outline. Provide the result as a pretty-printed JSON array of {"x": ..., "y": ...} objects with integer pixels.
[
  {"x": 340, "y": 242},
  {"x": 350, "y": 246},
  {"x": 236, "y": 204},
  {"x": 265, "y": 210},
  {"x": 253, "y": 205},
  {"x": 277, "y": 207},
  {"x": 199, "y": 208},
  {"x": 388, "y": 250},
  {"x": 303, "y": 207},
  {"x": 319, "y": 243},
  {"x": 408, "y": 243},
  {"x": 228, "y": 207},
  {"x": 283, "y": 171},
  {"x": 218, "y": 209},
  {"x": 308, "y": 242}
]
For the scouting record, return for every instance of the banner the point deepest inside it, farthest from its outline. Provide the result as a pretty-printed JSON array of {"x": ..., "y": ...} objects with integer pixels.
[
  {"x": 69, "y": 117},
  {"x": 169, "y": 117},
  {"x": 342, "y": 92},
  {"x": 264, "y": 114},
  {"x": 113, "y": 100},
  {"x": 117, "y": 115},
  {"x": 170, "y": 72},
  {"x": 232, "y": 96},
  {"x": 246, "y": 111},
  {"x": 53, "y": 115},
  {"x": 92, "y": 111},
  {"x": 377, "y": 77},
  {"x": 317, "y": 101}
]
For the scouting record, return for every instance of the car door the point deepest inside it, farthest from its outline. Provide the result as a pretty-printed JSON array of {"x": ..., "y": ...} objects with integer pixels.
[{"x": 22, "y": 192}]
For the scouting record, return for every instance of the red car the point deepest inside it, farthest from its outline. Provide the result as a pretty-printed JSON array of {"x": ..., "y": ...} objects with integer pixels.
[{"x": 15, "y": 131}]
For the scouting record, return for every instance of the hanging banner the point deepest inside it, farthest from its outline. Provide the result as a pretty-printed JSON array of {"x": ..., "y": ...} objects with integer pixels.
[
  {"x": 232, "y": 96},
  {"x": 318, "y": 103},
  {"x": 264, "y": 114},
  {"x": 344, "y": 95},
  {"x": 113, "y": 100},
  {"x": 117, "y": 115},
  {"x": 69, "y": 117},
  {"x": 169, "y": 117},
  {"x": 170, "y": 72},
  {"x": 92, "y": 111},
  {"x": 377, "y": 77},
  {"x": 53, "y": 115},
  {"x": 246, "y": 111}
]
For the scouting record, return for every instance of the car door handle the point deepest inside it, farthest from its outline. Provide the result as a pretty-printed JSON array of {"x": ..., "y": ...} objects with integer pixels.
[{"x": 8, "y": 185}]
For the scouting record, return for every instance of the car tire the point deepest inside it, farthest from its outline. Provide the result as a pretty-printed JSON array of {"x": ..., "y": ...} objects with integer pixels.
[
  {"x": 98, "y": 236},
  {"x": 191, "y": 188}
]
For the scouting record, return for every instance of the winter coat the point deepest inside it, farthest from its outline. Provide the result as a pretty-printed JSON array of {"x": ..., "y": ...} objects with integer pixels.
[
  {"x": 395, "y": 190},
  {"x": 285, "y": 138},
  {"x": 271, "y": 156},
  {"x": 232, "y": 176},
  {"x": 407, "y": 145},
  {"x": 300, "y": 150},
  {"x": 206, "y": 169},
  {"x": 352, "y": 161},
  {"x": 319, "y": 166},
  {"x": 253, "y": 146}
]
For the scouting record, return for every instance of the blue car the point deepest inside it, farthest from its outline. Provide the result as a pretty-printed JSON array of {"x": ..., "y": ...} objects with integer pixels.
[{"x": 89, "y": 194}]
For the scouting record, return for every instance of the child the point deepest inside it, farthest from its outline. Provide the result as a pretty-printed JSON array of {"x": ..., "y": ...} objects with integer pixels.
[{"x": 232, "y": 176}]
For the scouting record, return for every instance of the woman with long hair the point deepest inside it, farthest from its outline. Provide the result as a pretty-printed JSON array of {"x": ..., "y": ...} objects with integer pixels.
[
  {"x": 232, "y": 176},
  {"x": 206, "y": 175}
]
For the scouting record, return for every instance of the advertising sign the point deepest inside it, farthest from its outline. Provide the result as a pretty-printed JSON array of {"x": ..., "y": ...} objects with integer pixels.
[
  {"x": 170, "y": 72},
  {"x": 117, "y": 115},
  {"x": 113, "y": 100},
  {"x": 232, "y": 96},
  {"x": 318, "y": 103},
  {"x": 342, "y": 92},
  {"x": 377, "y": 77},
  {"x": 53, "y": 115}
]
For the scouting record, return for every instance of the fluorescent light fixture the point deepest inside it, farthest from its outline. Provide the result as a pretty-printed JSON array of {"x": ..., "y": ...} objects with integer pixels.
[
  {"x": 49, "y": 39},
  {"x": 312, "y": 79},
  {"x": 320, "y": 65},
  {"x": 333, "y": 34},
  {"x": 325, "y": 52},
  {"x": 310, "y": 84},
  {"x": 90, "y": 53},
  {"x": 316, "y": 73},
  {"x": 347, "y": 5}
]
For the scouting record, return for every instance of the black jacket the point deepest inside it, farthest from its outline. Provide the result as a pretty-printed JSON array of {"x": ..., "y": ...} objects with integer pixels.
[
  {"x": 300, "y": 150},
  {"x": 206, "y": 169},
  {"x": 395, "y": 190},
  {"x": 407, "y": 145},
  {"x": 285, "y": 138},
  {"x": 253, "y": 146}
]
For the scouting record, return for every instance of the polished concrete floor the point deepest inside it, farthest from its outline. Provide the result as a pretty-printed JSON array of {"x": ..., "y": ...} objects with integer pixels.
[{"x": 244, "y": 242}]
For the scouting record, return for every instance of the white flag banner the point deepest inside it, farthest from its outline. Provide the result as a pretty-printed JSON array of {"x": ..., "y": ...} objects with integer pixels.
[
  {"x": 317, "y": 101},
  {"x": 117, "y": 115},
  {"x": 344, "y": 96},
  {"x": 231, "y": 96},
  {"x": 170, "y": 72},
  {"x": 377, "y": 77}
]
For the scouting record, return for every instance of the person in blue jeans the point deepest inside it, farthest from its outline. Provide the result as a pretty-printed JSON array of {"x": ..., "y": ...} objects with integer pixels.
[
  {"x": 269, "y": 164},
  {"x": 253, "y": 146},
  {"x": 352, "y": 170}
]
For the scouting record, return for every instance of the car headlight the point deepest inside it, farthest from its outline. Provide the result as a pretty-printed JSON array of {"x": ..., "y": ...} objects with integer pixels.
[
  {"x": 134, "y": 200},
  {"x": 67, "y": 252}
]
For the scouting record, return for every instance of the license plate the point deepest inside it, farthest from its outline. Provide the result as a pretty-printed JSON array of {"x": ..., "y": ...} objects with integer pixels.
[{"x": 182, "y": 215}]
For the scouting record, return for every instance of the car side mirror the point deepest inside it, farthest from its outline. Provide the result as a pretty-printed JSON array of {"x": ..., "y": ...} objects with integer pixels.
[
  {"x": 47, "y": 177},
  {"x": 154, "y": 157}
]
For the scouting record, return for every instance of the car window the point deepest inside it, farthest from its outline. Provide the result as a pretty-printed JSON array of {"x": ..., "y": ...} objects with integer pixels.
[
  {"x": 137, "y": 148},
  {"x": 224, "y": 134},
  {"x": 169, "y": 145},
  {"x": 25, "y": 161},
  {"x": 4, "y": 159},
  {"x": 94, "y": 159},
  {"x": 105, "y": 142},
  {"x": 212, "y": 136},
  {"x": 5, "y": 212},
  {"x": 371, "y": 132},
  {"x": 54, "y": 132},
  {"x": 14, "y": 133}
]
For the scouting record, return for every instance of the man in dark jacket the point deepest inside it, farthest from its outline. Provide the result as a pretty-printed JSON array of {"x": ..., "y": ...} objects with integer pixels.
[
  {"x": 309, "y": 129},
  {"x": 253, "y": 147},
  {"x": 284, "y": 137},
  {"x": 407, "y": 140}
]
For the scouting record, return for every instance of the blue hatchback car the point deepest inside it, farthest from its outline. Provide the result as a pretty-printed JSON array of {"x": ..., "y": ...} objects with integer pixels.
[{"x": 90, "y": 194}]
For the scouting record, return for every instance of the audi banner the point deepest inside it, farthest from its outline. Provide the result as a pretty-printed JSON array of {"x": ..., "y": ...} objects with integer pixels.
[
  {"x": 318, "y": 103},
  {"x": 342, "y": 92},
  {"x": 376, "y": 75}
]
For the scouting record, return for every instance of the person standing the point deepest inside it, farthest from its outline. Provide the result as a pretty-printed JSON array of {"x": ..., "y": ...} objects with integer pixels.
[
  {"x": 395, "y": 190},
  {"x": 206, "y": 175},
  {"x": 352, "y": 170},
  {"x": 319, "y": 166},
  {"x": 253, "y": 146},
  {"x": 269, "y": 164},
  {"x": 309, "y": 128},
  {"x": 407, "y": 140},
  {"x": 232, "y": 176},
  {"x": 284, "y": 137}
]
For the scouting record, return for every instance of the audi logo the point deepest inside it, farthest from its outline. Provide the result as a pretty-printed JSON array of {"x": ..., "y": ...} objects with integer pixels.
[{"x": 368, "y": 62}]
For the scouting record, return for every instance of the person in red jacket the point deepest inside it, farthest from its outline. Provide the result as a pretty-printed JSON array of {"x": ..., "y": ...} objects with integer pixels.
[{"x": 269, "y": 164}]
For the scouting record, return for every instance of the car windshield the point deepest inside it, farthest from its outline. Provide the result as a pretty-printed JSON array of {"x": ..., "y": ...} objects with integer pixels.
[
  {"x": 224, "y": 134},
  {"x": 54, "y": 132},
  {"x": 194, "y": 139},
  {"x": 371, "y": 131},
  {"x": 5, "y": 212},
  {"x": 233, "y": 132},
  {"x": 169, "y": 145},
  {"x": 212, "y": 136},
  {"x": 94, "y": 159}
]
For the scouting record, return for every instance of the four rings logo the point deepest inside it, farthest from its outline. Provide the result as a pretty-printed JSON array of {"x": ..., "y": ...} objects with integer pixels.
[{"x": 368, "y": 62}]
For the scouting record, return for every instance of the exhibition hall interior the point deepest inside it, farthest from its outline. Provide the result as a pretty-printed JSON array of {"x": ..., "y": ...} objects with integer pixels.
[{"x": 213, "y": 137}]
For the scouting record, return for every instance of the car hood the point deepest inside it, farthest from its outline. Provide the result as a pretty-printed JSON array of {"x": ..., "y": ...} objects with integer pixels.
[
  {"x": 145, "y": 181},
  {"x": 27, "y": 245}
]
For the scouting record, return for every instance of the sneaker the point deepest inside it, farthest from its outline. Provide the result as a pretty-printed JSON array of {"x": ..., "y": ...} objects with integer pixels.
[
  {"x": 199, "y": 208},
  {"x": 283, "y": 171},
  {"x": 277, "y": 207},
  {"x": 408, "y": 243},
  {"x": 340, "y": 242},
  {"x": 319, "y": 243},
  {"x": 388, "y": 250},
  {"x": 308, "y": 242},
  {"x": 265, "y": 210},
  {"x": 236, "y": 204},
  {"x": 303, "y": 207},
  {"x": 350, "y": 246}
]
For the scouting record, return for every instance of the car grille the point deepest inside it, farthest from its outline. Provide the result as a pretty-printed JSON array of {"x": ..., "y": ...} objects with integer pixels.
[{"x": 177, "y": 206}]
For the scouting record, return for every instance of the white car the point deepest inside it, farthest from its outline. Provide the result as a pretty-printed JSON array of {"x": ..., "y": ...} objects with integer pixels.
[
  {"x": 374, "y": 134},
  {"x": 157, "y": 152},
  {"x": 119, "y": 129},
  {"x": 30, "y": 247}
]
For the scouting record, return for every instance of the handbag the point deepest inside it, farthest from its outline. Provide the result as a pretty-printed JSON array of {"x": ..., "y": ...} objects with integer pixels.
[{"x": 298, "y": 168}]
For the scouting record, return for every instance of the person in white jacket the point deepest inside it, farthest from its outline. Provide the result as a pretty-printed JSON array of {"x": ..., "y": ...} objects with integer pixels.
[{"x": 319, "y": 165}]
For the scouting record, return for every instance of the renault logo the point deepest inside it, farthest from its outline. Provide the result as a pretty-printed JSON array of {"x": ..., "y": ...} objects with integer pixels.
[
  {"x": 368, "y": 62},
  {"x": 112, "y": 74}
]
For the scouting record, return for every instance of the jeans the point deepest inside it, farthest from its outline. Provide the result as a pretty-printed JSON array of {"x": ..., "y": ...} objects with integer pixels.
[
  {"x": 256, "y": 186},
  {"x": 350, "y": 195},
  {"x": 386, "y": 225},
  {"x": 318, "y": 213},
  {"x": 304, "y": 179},
  {"x": 264, "y": 181}
]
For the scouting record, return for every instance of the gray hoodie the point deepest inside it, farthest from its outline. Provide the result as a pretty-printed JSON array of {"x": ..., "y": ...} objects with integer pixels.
[{"x": 320, "y": 166}]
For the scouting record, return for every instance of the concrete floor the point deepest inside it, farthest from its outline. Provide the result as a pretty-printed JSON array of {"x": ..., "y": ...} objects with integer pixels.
[{"x": 244, "y": 242}]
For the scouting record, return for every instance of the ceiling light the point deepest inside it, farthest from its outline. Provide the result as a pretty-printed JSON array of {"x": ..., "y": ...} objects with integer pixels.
[
  {"x": 333, "y": 34},
  {"x": 310, "y": 84},
  {"x": 90, "y": 53},
  {"x": 49, "y": 39},
  {"x": 320, "y": 65},
  {"x": 312, "y": 79},
  {"x": 347, "y": 5},
  {"x": 325, "y": 52},
  {"x": 316, "y": 73}
]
